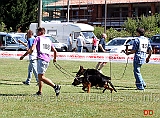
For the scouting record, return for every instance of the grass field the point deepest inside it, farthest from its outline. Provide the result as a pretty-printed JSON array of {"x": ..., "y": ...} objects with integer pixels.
[{"x": 19, "y": 101}]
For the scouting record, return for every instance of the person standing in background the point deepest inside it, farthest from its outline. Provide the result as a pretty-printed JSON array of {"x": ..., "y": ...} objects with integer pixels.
[
  {"x": 80, "y": 43},
  {"x": 101, "y": 48},
  {"x": 32, "y": 67},
  {"x": 140, "y": 47},
  {"x": 94, "y": 44},
  {"x": 69, "y": 42}
]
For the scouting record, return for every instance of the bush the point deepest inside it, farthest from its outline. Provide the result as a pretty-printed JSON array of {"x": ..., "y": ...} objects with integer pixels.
[
  {"x": 3, "y": 28},
  {"x": 151, "y": 24},
  {"x": 98, "y": 31}
]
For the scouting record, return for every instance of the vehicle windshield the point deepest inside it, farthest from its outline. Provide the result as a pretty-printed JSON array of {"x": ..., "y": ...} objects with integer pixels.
[
  {"x": 88, "y": 34},
  {"x": 20, "y": 38},
  {"x": 155, "y": 39},
  {"x": 52, "y": 39},
  {"x": 116, "y": 42}
]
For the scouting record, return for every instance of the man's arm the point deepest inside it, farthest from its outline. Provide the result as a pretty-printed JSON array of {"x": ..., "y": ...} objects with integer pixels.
[
  {"x": 22, "y": 42},
  {"x": 25, "y": 54},
  {"x": 130, "y": 52},
  {"x": 32, "y": 48},
  {"x": 55, "y": 53},
  {"x": 100, "y": 46},
  {"x": 149, "y": 55}
]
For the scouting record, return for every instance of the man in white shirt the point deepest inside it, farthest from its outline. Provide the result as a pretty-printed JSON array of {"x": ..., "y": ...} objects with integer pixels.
[{"x": 80, "y": 43}]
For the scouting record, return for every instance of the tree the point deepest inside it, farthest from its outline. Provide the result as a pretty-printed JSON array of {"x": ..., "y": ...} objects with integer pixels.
[
  {"x": 18, "y": 13},
  {"x": 131, "y": 25},
  {"x": 148, "y": 23}
]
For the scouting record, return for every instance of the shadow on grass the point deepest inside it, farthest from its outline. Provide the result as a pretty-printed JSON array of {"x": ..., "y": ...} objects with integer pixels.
[
  {"x": 124, "y": 88},
  {"x": 9, "y": 84},
  {"x": 14, "y": 94},
  {"x": 74, "y": 72},
  {"x": 130, "y": 88},
  {"x": 10, "y": 80}
]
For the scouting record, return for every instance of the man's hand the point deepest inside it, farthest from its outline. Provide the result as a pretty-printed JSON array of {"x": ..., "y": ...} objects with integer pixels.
[
  {"x": 147, "y": 60},
  {"x": 21, "y": 58},
  {"x": 54, "y": 60},
  {"x": 127, "y": 53}
]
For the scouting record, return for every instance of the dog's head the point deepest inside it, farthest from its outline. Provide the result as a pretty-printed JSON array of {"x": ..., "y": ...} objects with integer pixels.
[
  {"x": 81, "y": 71},
  {"x": 77, "y": 81}
]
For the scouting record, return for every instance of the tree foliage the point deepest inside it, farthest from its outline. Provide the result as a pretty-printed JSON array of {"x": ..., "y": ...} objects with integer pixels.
[
  {"x": 151, "y": 24},
  {"x": 18, "y": 13},
  {"x": 130, "y": 25},
  {"x": 3, "y": 28}
]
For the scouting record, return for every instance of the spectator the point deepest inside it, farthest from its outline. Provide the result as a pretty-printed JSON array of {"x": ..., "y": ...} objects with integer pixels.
[
  {"x": 140, "y": 47},
  {"x": 32, "y": 67},
  {"x": 94, "y": 44},
  {"x": 44, "y": 47},
  {"x": 80, "y": 42},
  {"x": 101, "y": 48},
  {"x": 69, "y": 42}
]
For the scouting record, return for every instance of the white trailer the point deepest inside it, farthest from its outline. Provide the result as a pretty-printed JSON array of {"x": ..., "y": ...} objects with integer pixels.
[{"x": 61, "y": 31}]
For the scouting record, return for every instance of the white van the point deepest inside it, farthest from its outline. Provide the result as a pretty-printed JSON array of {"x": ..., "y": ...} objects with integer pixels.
[
  {"x": 9, "y": 41},
  {"x": 62, "y": 30}
]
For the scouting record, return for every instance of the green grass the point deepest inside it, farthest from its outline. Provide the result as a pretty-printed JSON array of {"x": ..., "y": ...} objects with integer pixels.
[{"x": 18, "y": 100}]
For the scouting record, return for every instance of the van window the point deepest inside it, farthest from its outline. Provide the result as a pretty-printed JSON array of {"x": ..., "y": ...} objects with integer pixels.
[
  {"x": 88, "y": 34},
  {"x": 76, "y": 34},
  {"x": 2, "y": 40},
  {"x": 20, "y": 38},
  {"x": 9, "y": 39},
  {"x": 52, "y": 32}
]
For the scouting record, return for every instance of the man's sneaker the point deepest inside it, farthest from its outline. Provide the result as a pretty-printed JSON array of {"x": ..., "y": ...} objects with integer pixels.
[
  {"x": 25, "y": 83},
  {"x": 57, "y": 89},
  {"x": 38, "y": 93}
]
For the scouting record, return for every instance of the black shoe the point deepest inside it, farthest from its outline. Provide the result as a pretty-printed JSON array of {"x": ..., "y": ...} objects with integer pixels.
[
  {"x": 25, "y": 83},
  {"x": 57, "y": 89},
  {"x": 38, "y": 93}
]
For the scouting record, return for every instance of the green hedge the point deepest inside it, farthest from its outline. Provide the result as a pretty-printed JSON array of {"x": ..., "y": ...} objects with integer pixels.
[{"x": 151, "y": 24}]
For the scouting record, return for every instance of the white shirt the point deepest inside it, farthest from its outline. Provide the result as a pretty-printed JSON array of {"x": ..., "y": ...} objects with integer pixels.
[
  {"x": 80, "y": 41},
  {"x": 45, "y": 45},
  {"x": 69, "y": 40}
]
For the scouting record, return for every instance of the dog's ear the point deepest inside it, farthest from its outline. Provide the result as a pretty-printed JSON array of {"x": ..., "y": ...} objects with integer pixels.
[{"x": 81, "y": 67}]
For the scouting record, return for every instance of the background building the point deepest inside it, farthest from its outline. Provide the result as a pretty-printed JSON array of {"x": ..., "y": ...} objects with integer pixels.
[{"x": 93, "y": 11}]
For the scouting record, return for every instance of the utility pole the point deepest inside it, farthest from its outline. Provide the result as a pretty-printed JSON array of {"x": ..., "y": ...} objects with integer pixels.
[
  {"x": 39, "y": 12},
  {"x": 68, "y": 11},
  {"x": 105, "y": 17}
]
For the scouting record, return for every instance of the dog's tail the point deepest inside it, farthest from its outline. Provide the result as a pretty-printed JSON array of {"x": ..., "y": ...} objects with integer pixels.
[{"x": 112, "y": 86}]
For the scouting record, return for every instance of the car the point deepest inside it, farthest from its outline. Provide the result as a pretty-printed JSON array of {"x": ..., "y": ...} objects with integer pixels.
[
  {"x": 9, "y": 42},
  {"x": 118, "y": 44},
  {"x": 24, "y": 35},
  {"x": 60, "y": 47},
  {"x": 155, "y": 43}
]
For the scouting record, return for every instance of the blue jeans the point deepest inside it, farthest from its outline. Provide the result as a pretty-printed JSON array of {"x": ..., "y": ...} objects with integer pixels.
[
  {"x": 69, "y": 47},
  {"x": 32, "y": 68},
  {"x": 140, "y": 84},
  {"x": 80, "y": 48}
]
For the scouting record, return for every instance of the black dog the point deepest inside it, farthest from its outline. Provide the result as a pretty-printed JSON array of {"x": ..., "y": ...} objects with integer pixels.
[
  {"x": 86, "y": 72},
  {"x": 92, "y": 77}
]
